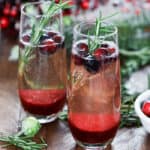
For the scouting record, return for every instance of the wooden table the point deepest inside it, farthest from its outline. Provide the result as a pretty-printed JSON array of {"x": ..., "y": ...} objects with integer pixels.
[{"x": 56, "y": 134}]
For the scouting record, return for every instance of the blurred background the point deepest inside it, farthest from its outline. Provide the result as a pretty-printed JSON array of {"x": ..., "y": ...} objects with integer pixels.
[{"x": 133, "y": 21}]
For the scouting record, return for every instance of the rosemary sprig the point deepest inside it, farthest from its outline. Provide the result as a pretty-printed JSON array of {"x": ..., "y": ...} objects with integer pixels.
[
  {"x": 37, "y": 31},
  {"x": 93, "y": 43},
  {"x": 23, "y": 138},
  {"x": 23, "y": 142}
]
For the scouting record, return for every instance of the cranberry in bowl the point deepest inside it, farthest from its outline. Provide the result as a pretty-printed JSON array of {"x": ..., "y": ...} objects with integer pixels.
[{"x": 142, "y": 109}]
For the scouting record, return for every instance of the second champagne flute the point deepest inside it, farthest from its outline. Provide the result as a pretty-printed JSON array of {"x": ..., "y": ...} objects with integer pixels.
[{"x": 94, "y": 85}]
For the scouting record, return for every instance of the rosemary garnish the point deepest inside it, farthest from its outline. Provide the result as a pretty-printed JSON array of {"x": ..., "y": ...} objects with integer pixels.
[
  {"x": 37, "y": 31},
  {"x": 23, "y": 138},
  {"x": 97, "y": 39},
  {"x": 23, "y": 142}
]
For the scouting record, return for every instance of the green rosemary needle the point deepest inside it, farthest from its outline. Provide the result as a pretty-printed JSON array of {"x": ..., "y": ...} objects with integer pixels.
[{"x": 95, "y": 41}]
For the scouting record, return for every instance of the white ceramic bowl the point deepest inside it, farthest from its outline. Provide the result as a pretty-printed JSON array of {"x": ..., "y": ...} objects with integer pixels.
[{"x": 138, "y": 104}]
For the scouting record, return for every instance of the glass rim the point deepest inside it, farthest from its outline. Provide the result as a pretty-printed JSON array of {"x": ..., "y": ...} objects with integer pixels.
[
  {"x": 76, "y": 31},
  {"x": 23, "y": 12}
]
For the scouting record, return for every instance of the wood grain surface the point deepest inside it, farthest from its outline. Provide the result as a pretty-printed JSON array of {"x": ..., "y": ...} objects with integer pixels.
[{"x": 56, "y": 134}]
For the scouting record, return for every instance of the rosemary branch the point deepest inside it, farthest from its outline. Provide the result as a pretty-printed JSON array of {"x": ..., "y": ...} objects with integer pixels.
[
  {"x": 98, "y": 29},
  {"x": 23, "y": 138},
  {"x": 37, "y": 31},
  {"x": 23, "y": 142}
]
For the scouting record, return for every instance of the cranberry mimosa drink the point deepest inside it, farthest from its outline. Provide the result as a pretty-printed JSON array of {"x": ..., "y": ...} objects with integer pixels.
[
  {"x": 42, "y": 60},
  {"x": 94, "y": 85}
]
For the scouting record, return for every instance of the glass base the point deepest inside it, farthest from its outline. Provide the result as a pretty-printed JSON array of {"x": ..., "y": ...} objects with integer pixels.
[
  {"x": 42, "y": 119},
  {"x": 98, "y": 146},
  {"x": 46, "y": 119}
]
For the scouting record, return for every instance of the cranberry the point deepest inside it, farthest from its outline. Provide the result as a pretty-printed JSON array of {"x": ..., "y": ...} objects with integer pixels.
[
  {"x": 83, "y": 46},
  {"x": 91, "y": 64},
  {"x": 146, "y": 108},
  {"x": 6, "y": 11},
  {"x": 82, "y": 49},
  {"x": 100, "y": 52},
  {"x": 4, "y": 22},
  {"x": 57, "y": 1},
  {"x": 13, "y": 12},
  {"x": 48, "y": 46},
  {"x": 57, "y": 39},
  {"x": 26, "y": 38},
  {"x": 67, "y": 12},
  {"x": 77, "y": 60},
  {"x": 51, "y": 34},
  {"x": 104, "y": 45},
  {"x": 111, "y": 51},
  {"x": 84, "y": 5}
]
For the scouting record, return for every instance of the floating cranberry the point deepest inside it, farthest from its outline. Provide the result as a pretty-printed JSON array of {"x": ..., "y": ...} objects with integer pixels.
[
  {"x": 91, "y": 64},
  {"x": 77, "y": 60},
  {"x": 146, "y": 108},
  {"x": 82, "y": 49},
  {"x": 99, "y": 53},
  {"x": 57, "y": 39},
  {"x": 104, "y": 45},
  {"x": 83, "y": 46},
  {"x": 26, "y": 38},
  {"x": 48, "y": 46},
  {"x": 51, "y": 34},
  {"x": 4, "y": 22},
  {"x": 13, "y": 12},
  {"x": 111, "y": 50}
]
